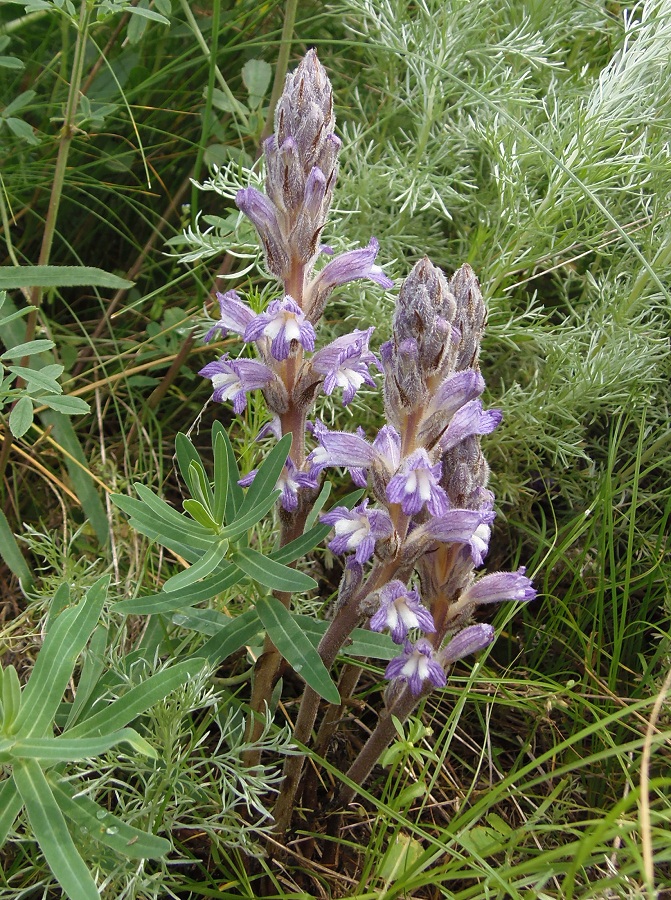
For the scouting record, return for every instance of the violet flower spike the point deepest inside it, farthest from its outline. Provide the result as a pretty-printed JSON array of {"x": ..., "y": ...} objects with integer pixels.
[
  {"x": 500, "y": 586},
  {"x": 357, "y": 530},
  {"x": 232, "y": 378},
  {"x": 415, "y": 666},
  {"x": 344, "y": 363},
  {"x": 234, "y": 316},
  {"x": 282, "y": 322},
  {"x": 400, "y": 611},
  {"x": 416, "y": 484}
]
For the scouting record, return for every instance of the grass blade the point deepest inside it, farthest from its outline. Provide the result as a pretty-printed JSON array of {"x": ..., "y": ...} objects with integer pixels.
[{"x": 11, "y": 553}]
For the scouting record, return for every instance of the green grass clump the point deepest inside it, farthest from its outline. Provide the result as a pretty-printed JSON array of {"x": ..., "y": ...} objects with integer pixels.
[{"x": 528, "y": 139}]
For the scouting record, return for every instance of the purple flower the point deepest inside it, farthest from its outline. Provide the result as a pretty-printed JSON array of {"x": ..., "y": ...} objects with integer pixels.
[
  {"x": 289, "y": 482},
  {"x": 417, "y": 484},
  {"x": 400, "y": 610},
  {"x": 469, "y": 640},
  {"x": 232, "y": 378},
  {"x": 282, "y": 322},
  {"x": 346, "y": 267},
  {"x": 469, "y": 420},
  {"x": 387, "y": 444},
  {"x": 353, "y": 265},
  {"x": 344, "y": 363},
  {"x": 456, "y": 526},
  {"x": 235, "y": 316},
  {"x": 340, "y": 448},
  {"x": 415, "y": 666},
  {"x": 263, "y": 215},
  {"x": 357, "y": 529},
  {"x": 500, "y": 586},
  {"x": 455, "y": 391}
]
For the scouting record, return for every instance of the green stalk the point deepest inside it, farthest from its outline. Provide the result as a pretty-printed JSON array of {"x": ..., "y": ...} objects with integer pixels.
[{"x": 281, "y": 67}]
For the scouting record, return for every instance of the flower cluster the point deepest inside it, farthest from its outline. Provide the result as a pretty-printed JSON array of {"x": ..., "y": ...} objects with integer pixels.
[{"x": 413, "y": 551}]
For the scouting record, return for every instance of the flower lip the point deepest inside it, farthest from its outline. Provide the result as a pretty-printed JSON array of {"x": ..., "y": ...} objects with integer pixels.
[
  {"x": 282, "y": 323},
  {"x": 232, "y": 378},
  {"x": 400, "y": 611},
  {"x": 417, "y": 484},
  {"x": 357, "y": 529},
  {"x": 415, "y": 666}
]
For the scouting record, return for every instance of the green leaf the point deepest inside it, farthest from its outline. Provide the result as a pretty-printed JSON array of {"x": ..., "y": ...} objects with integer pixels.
[
  {"x": 29, "y": 348},
  {"x": 13, "y": 277},
  {"x": 64, "y": 748},
  {"x": 10, "y": 807},
  {"x": 256, "y": 75},
  {"x": 186, "y": 453},
  {"x": 11, "y": 697},
  {"x": 11, "y": 62},
  {"x": 21, "y": 417},
  {"x": 10, "y": 552},
  {"x": 235, "y": 492},
  {"x": 138, "y": 699},
  {"x": 19, "y": 102},
  {"x": 245, "y": 521},
  {"x": 94, "y": 664},
  {"x": 363, "y": 643},
  {"x": 270, "y": 573},
  {"x": 52, "y": 833},
  {"x": 68, "y": 406},
  {"x": 147, "y": 14},
  {"x": 267, "y": 475},
  {"x": 105, "y": 827},
  {"x": 148, "y": 522},
  {"x": 221, "y": 476},
  {"x": 198, "y": 512},
  {"x": 205, "y": 566},
  {"x": 200, "y": 486},
  {"x": 36, "y": 379},
  {"x": 204, "y": 621},
  {"x": 287, "y": 635},
  {"x": 318, "y": 505},
  {"x": 21, "y": 129},
  {"x": 231, "y": 638},
  {"x": 164, "y": 511},
  {"x": 56, "y": 661},
  {"x": 166, "y": 602}
]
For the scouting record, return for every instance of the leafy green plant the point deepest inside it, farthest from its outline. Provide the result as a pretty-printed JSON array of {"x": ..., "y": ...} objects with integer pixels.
[{"x": 35, "y": 756}]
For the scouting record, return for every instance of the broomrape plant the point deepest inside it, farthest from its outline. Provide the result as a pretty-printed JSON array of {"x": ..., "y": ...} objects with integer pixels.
[{"x": 412, "y": 546}]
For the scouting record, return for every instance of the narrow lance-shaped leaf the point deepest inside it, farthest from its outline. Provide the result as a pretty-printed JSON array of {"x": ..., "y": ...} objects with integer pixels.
[
  {"x": 138, "y": 699},
  {"x": 12, "y": 278},
  {"x": 52, "y": 833},
  {"x": 10, "y": 552},
  {"x": 104, "y": 826},
  {"x": 149, "y": 522},
  {"x": 165, "y": 512},
  {"x": 169, "y": 601},
  {"x": 287, "y": 635},
  {"x": 235, "y": 492},
  {"x": 269, "y": 573},
  {"x": 56, "y": 661},
  {"x": 221, "y": 476},
  {"x": 244, "y": 521},
  {"x": 94, "y": 664},
  {"x": 186, "y": 453},
  {"x": 200, "y": 486},
  {"x": 64, "y": 748},
  {"x": 231, "y": 638},
  {"x": 205, "y": 566},
  {"x": 10, "y": 807}
]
